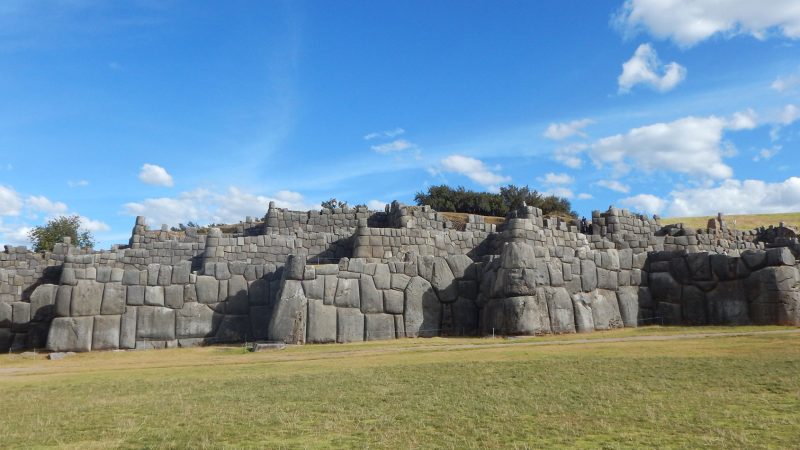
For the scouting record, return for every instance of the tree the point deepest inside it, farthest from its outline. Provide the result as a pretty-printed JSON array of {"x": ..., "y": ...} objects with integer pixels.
[
  {"x": 44, "y": 238},
  {"x": 446, "y": 199}
]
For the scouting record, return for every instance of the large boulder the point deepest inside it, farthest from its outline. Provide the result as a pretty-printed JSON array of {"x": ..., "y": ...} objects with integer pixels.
[
  {"x": 87, "y": 298},
  {"x": 559, "y": 306},
  {"x": 526, "y": 315},
  {"x": 321, "y": 322},
  {"x": 628, "y": 297},
  {"x": 105, "y": 333},
  {"x": 422, "y": 311},
  {"x": 195, "y": 320},
  {"x": 155, "y": 323},
  {"x": 350, "y": 325},
  {"x": 70, "y": 334},
  {"x": 605, "y": 310},
  {"x": 288, "y": 321}
]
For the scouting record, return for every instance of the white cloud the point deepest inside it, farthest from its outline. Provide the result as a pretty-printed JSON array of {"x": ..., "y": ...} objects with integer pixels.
[
  {"x": 614, "y": 185},
  {"x": 14, "y": 235},
  {"x": 397, "y": 145},
  {"x": 767, "y": 153},
  {"x": 570, "y": 155},
  {"x": 644, "y": 203},
  {"x": 10, "y": 201},
  {"x": 560, "y": 131},
  {"x": 743, "y": 120},
  {"x": 475, "y": 170},
  {"x": 584, "y": 196},
  {"x": 79, "y": 183},
  {"x": 40, "y": 203},
  {"x": 737, "y": 197},
  {"x": 384, "y": 134},
  {"x": 556, "y": 178},
  {"x": 560, "y": 191},
  {"x": 203, "y": 206},
  {"x": 730, "y": 196},
  {"x": 155, "y": 175},
  {"x": 691, "y": 145},
  {"x": 687, "y": 22},
  {"x": 645, "y": 68},
  {"x": 786, "y": 84},
  {"x": 789, "y": 115},
  {"x": 376, "y": 205},
  {"x": 93, "y": 225}
]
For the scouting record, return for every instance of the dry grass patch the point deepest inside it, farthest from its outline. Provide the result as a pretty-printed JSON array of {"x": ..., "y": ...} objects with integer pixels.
[{"x": 741, "y": 221}]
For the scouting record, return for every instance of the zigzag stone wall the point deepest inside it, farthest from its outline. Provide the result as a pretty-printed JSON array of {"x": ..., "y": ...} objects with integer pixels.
[{"x": 350, "y": 274}]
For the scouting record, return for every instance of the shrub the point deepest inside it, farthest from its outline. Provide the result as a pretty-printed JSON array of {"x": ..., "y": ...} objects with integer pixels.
[
  {"x": 45, "y": 237},
  {"x": 446, "y": 199}
]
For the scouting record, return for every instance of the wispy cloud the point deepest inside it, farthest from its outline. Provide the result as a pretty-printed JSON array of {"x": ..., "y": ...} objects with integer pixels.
[
  {"x": 560, "y": 131},
  {"x": 384, "y": 134}
]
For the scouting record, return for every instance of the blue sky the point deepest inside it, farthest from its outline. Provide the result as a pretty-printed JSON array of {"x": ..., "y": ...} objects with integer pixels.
[{"x": 206, "y": 111}]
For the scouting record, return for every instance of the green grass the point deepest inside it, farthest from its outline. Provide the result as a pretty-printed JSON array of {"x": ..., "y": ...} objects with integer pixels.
[
  {"x": 740, "y": 221},
  {"x": 721, "y": 392}
]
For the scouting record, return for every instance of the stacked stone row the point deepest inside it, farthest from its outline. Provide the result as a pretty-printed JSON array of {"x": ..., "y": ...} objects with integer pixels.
[
  {"x": 387, "y": 243},
  {"x": 356, "y": 300},
  {"x": 758, "y": 287},
  {"x": 102, "y": 308}
]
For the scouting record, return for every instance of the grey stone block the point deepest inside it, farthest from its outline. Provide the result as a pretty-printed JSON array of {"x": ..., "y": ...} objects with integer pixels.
[
  {"x": 443, "y": 281},
  {"x": 221, "y": 271},
  {"x": 517, "y": 255},
  {"x": 607, "y": 279},
  {"x": 559, "y": 307},
  {"x": 155, "y": 323},
  {"x": 347, "y": 293},
  {"x": 173, "y": 296},
  {"x": 628, "y": 297},
  {"x": 181, "y": 272},
  {"x": 382, "y": 278},
  {"x": 154, "y": 295},
  {"x": 127, "y": 328},
  {"x": 378, "y": 327},
  {"x": 400, "y": 281},
  {"x": 105, "y": 333},
  {"x": 289, "y": 318},
  {"x": 238, "y": 298},
  {"x": 349, "y": 325},
  {"x": 42, "y": 302},
  {"x": 314, "y": 289},
  {"x": 582, "y": 306},
  {"x": 113, "y": 299},
  {"x": 195, "y": 320},
  {"x": 63, "y": 301},
  {"x": 87, "y": 298},
  {"x": 135, "y": 295},
  {"x": 131, "y": 277},
  {"x": 371, "y": 297},
  {"x": 164, "y": 275},
  {"x": 393, "y": 301},
  {"x": 422, "y": 310},
  {"x": 727, "y": 304},
  {"x": 465, "y": 317},
  {"x": 321, "y": 322},
  {"x": 526, "y": 315},
  {"x": 780, "y": 256},
  {"x": 20, "y": 316},
  {"x": 207, "y": 289},
  {"x": 70, "y": 334},
  {"x": 588, "y": 275}
]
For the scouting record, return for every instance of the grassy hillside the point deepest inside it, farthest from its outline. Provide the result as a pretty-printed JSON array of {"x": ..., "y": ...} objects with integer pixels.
[
  {"x": 723, "y": 392},
  {"x": 742, "y": 221}
]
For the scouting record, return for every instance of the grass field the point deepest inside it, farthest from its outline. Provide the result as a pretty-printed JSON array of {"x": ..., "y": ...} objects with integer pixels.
[
  {"x": 560, "y": 391},
  {"x": 741, "y": 222}
]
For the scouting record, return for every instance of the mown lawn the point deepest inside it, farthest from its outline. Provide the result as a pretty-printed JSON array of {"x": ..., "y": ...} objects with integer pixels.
[{"x": 718, "y": 392}]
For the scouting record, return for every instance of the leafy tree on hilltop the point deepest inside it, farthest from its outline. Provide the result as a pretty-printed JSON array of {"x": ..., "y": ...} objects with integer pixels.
[
  {"x": 333, "y": 203},
  {"x": 45, "y": 237},
  {"x": 446, "y": 199}
]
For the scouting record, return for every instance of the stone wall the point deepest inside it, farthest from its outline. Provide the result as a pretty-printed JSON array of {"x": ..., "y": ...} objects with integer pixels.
[{"x": 350, "y": 274}]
